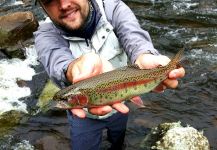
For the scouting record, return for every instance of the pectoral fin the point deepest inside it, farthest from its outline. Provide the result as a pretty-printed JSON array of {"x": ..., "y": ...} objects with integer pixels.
[{"x": 138, "y": 101}]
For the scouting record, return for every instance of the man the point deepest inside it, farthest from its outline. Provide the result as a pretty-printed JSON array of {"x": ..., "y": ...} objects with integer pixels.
[{"x": 89, "y": 37}]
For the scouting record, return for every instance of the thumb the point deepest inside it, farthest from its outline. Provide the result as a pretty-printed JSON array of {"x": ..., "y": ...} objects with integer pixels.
[
  {"x": 75, "y": 74},
  {"x": 81, "y": 72},
  {"x": 107, "y": 66}
]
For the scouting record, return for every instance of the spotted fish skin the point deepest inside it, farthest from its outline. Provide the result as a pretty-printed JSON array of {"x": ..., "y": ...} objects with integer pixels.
[{"x": 114, "y": 86}]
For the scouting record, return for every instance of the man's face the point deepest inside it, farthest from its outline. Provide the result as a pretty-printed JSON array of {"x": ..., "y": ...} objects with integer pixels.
[{"x": 67, "y": 13}]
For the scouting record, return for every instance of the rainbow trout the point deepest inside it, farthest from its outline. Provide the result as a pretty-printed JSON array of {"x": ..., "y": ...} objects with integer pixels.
[{"x": 114, "y": 86}]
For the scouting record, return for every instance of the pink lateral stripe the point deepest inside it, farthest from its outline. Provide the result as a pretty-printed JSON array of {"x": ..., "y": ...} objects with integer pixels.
[{"x": 123, "y": 86}]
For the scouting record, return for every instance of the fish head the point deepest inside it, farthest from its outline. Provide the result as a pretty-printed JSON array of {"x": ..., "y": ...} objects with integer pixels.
[
  {"x": 65, "y": 94},
  {"x": 71, "y": 99}
]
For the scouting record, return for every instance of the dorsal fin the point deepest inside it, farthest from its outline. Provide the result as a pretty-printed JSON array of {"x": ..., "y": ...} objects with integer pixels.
[
  {"x": 176, "y": 59},
  {"x": 133, "y": 66},
  {"x": 129, "y": 66}
]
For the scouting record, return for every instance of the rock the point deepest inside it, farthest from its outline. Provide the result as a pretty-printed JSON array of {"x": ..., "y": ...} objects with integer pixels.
[
  {"x": 15, "y": 30},
  {"x": 2, "y": 56},
  {"x": 51, "y": 142},
  {"x": 27, "y": 2},
  {"x": 207, "y": 5},
  {"x": 173, "y": 136},
  {"x": 2, "y": 2},
  {"x": 36, "y": 86},
  {"x": 28, "y": 5},
  {"x": 11, "y": 119}
]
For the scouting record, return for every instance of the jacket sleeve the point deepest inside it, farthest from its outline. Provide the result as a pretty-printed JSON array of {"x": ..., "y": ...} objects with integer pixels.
[
  {"x": 53, "y": 52},
  {"x": 132, "y": 37}
]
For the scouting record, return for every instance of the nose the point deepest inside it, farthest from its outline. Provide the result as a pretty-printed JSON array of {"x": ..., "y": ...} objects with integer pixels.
[{"x": 64, "y": 4}]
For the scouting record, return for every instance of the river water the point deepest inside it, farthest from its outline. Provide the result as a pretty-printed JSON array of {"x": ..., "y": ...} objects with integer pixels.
[{"x": 172, "y": 24}]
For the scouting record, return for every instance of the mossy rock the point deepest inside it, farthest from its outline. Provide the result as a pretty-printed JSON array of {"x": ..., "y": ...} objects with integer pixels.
[
  {"x": 173, "y": 136},
  {"x": 11, "y": 119}
]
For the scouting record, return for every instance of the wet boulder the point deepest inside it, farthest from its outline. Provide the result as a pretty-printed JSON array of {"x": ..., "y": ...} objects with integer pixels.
[
  {"x": 173, "y": 136},
  {"x": 15, "y": 31},
  {"x": 10, "y": 119},
  {"x": 28, "y": 2},
  {"x": 2, "y": 55}
]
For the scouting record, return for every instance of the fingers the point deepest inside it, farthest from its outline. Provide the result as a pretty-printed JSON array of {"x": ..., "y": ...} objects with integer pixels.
[
  {"x": 121, "y": 107},
  {"x": 162, "y": 60},
  {"x": 75, "y": 73},
  {"x": 100, "y": 111},
  {"x": 88, "y": 66},
  {"x": 177, "y": 73},
  {"x": 83, "y": 69},
  {"x": 107, "y": 109},
  {"x": 78, "y": 112},
  {"x": 149, "y": 61},
  {"x": 171, "y": 83},
  {"x": 168, "y": 83},
  {"x": 80, "y": 73}
]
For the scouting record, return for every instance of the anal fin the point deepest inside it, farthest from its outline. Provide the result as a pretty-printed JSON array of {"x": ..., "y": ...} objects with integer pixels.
[{"x": 138, "y": 101}]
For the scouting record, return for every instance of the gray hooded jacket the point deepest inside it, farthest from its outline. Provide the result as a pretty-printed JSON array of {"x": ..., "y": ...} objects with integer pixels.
[{"x": 54, "y": 50}]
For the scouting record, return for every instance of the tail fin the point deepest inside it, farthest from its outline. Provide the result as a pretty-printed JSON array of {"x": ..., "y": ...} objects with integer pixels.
[{"x": 176, "y": 59}]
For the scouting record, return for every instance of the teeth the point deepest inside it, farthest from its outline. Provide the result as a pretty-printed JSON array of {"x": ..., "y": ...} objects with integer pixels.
[{"x": 72, "y": 12}]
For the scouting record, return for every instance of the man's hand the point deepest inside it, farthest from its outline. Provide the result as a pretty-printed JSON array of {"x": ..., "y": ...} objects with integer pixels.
[
  {"x": 148, "y": 61},
  {"x": 87, "y": 66}
]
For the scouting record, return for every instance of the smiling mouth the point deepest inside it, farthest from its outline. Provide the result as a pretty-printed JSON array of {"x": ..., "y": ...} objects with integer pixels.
[{"x": 69, "y": 14}]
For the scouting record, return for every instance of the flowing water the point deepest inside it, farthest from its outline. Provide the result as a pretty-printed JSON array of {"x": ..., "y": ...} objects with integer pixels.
[{"x": 172, "y": 24}]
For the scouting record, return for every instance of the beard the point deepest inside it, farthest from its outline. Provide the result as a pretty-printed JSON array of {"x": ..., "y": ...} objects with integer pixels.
[
  {"x": 73, "y": 20},
  {"x": 76, "y": 24}
]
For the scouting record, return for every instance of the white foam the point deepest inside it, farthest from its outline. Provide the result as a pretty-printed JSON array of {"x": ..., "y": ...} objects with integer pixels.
[
  {"x": 176, "y": 32},
  {"x": 17, "y": 2},
  {"x": 12, "y": 71},
  {"x": 23, "y": 145},
  {"x": 183, "y": 6},
  {"x": 10, "y": 144},
  {"x": 200, "y": 55},
  {"x": 192, "y": 39}
]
